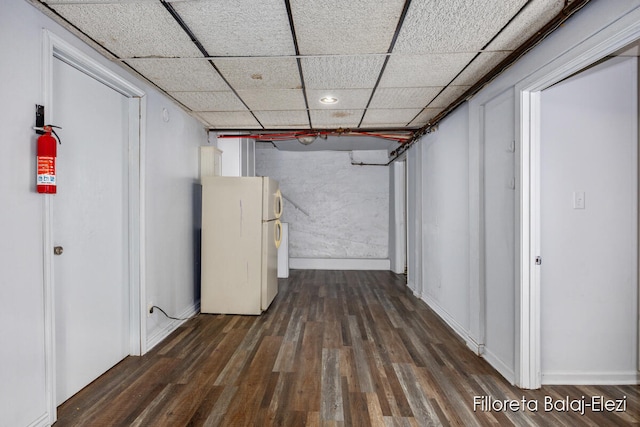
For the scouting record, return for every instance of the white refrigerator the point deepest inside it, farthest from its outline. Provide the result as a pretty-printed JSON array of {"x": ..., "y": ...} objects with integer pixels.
[{"x": 241, "y": 233}]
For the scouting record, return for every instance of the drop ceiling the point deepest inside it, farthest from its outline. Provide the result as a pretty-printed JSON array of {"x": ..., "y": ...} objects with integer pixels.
[{"x": 262, "y": 66}]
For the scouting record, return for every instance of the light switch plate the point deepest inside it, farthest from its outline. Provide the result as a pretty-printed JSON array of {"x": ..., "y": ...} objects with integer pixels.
[{"x": 578, "y": 200}]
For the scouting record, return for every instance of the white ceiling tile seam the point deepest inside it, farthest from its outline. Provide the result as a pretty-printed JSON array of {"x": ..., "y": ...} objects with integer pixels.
[
  {"x": 292, "y": 28},
  {"x": 569, "y": 10},
  {"x": 301, "y": 56},
  {"x": 200, "y": 47},
  {"x": 399, "y": 25},
  {"x": 474, "y": 58}
]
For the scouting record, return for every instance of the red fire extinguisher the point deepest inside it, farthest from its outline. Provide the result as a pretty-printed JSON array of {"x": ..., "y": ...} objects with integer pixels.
[{"x": 47, "y": 151}]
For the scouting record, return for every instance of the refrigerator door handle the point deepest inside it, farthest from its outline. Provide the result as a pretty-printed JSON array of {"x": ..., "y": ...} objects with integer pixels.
[
  {"x": 277, "y": 209},
  {"x": 277, "y": 233}
]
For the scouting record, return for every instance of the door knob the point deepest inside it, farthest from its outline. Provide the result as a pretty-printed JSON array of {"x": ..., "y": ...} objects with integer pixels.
[{"x": 57, "y": 250}]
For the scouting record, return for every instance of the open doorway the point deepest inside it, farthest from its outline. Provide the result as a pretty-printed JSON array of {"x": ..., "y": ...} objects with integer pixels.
[
  {"x": 588, "y": 211},
  {"x": 620, "y": 38}
]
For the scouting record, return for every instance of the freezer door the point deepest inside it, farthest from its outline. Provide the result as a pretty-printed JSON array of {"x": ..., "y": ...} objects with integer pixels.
[
  {"x": 272, "y": 199},
  {"x": 278, "y": 233},
  {"x": 232, "y": 231},
  {"x": 270, "y": 235}
]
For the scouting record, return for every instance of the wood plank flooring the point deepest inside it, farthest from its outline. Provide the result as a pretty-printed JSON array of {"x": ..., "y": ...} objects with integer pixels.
[{"x": 336, "y": 348}]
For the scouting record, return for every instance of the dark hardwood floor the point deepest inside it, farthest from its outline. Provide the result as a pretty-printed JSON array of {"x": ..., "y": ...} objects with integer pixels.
[{"x": 335, "y": 348}]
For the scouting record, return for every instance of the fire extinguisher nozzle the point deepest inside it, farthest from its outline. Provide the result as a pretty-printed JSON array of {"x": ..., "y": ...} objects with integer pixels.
[{"x": 57, "y": 137}]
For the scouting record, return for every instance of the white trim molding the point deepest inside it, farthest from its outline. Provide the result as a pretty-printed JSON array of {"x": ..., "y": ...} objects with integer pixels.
[
  {"x": 41, "y": 421},
  {"x": 339, "y": 264},
  {"x": 463, "y": 332},
  {"x": 591, "y": 378},
  {"x": 499, "y": 365},
  {"x": 477, "y": 285}
]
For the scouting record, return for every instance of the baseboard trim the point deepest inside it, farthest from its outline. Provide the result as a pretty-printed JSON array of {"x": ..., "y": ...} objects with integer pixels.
[
  {"x": 41, "y": 421},
  {"x": 590, "y": 378},
  {"x": 505, "y": 370},
  {"x": 473, "y": 345},
  {"x": 165, "y": 330},
  {"x": 479, "y": 349},
  {"x": 451, "y": 322},
  {"x": 339, "y": 264}
]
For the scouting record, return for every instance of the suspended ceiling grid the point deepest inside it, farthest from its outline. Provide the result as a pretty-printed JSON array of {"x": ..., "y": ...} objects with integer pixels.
[{"x": 265, "y": 65}]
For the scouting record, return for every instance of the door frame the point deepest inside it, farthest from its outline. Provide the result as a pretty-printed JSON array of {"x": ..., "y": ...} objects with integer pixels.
[
  {"x": 605, "y": 42},
  {"x": 56, "y": 47},
  {"x": 398, "y": 257},
  {"x": 413, "y": 171}
]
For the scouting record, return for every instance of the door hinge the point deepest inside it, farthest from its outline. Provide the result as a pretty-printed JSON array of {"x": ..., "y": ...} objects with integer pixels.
[{"x": 538, "y": 260}]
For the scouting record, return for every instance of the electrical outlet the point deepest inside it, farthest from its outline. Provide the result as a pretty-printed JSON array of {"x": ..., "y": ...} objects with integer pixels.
[{"x": 149, "y": 309}]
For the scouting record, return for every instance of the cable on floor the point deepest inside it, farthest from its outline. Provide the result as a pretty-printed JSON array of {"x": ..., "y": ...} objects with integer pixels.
[{"x": 165, "y": 313}]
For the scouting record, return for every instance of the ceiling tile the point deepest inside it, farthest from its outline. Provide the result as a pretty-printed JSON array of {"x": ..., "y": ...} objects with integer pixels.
[
  {"x": 341, "y": 72},
  {"x": 343, "y": 47},
  {"x": 131, "y": 29},
  {"x": 239, "y": 27},
  {"x": 423, "y": 70},
  {"x": 453, "y": 26},
  {"x": 260, "y": 73},
  {"x": 180, "y": 74},
  {"x": 531, "y": 19},
  {"x": 322, "y": 119},
  {"x": 389, "y": 117},
  {"x": 229, "y": 120},
  {"x": 97, "y": 1},
  {"x": 480, "y": 66},
  {"x": 275, "y": 99},
  {"x": 424, "y": 117},
  {"x": 404, "y": 97},
  {"x": 448, "y": 95},
  {"x": 210, "y": 101},
  {"x": 348, "y": 99},
  {"x": 360, "y": 27},
  {"x": 296, "y": 119}
]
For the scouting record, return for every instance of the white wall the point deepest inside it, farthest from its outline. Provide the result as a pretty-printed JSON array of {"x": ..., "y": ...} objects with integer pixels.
[
  {"x": 445, "y": 222},
  {"x": 427, "y": 210},
  {"x": 22, "y": 391},
  {"x": 231, "y": 156},
  {"x": 238, "y": 155},
  {"x": 347, "y": 207},
  {"x": 589, "y": 256},
  {"x": 172, "y": 214},
  {"x": 22, "y": 398}
]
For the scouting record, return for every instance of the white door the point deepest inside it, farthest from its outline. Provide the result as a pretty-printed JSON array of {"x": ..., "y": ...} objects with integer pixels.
[{"x": 90, "y": 223}]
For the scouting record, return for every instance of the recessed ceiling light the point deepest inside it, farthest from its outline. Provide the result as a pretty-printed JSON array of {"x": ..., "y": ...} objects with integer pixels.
[{"x": 328, "y": 100}]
